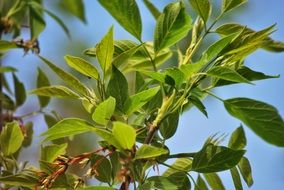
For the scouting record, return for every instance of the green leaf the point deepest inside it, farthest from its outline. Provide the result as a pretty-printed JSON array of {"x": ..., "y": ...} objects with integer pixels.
[
  {"x": 151, "y": 7},
  {"x": 124, "y": 134},
  {"x": 181, "y": 164},
  {"x": 42, "y": 81},
  {"x": 108, "y": 137},
  {"x": 175, "y": 74},
  {"x": 25, "y": 178},
  {"x": 200, "y": 184},
  {"x": 103, "y": 168},
  {"x": 169, "y": 125},
  {"x": 126, "y": 13},
  {"x": 248, "y": 74},
  {"x": 118, "y": 88},
  {"x": 11, "y": 138},
  {"x": 55, "y": 91},
  {"x": 198, "y": 104},
  {"x": 227, "y": 73},
  {"x": 245, "y": 169},
  {"x": 68, "y": 78},
  {"x": 104, "y": 51},
  {"x": 136, "y": 101},
  {"x": 214, "y": 181},
  {"x": 82, "y": 66},
  {"x": 20, "y": 91},
  {"x": 181, "y": 180},
  {"x": 6, "y": 45},
  {"x": 228, "y": 5},
  {"x": 104, "y": 111},
  {"x": 216, "y": 158},
  {"x": 202, "y": 8},
  {"x": 148, "y": 151},
  {"x": 50, "y": 152},
  {"x": 236, "y": 178},
  {"x": 97, "y": 188},
  {"x": 161, "y": 182},
  {"x": 238, "y": 139},
  {"x": 172, "y": 26},
  {"x": 74, "y": 7},
  {"x": 37, "y": 23},
  {"x": 139, "y": 82},
  {"x": 7, "y": 69},
  {"x": 67, "y": 127},
  {"x": 260, "y": 117}
]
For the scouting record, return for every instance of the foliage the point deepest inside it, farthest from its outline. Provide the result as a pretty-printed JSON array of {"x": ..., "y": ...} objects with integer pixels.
[{"x": 134, "y": 120}]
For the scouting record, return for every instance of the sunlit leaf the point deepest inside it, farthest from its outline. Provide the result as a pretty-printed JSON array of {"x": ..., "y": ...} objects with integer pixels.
[
  {"x": 42, "y": 81},
  {"x": 50, "y": 152},
  {"x": 238, "y": 139},
  {"x": 124, "y": 134},
  {"x": 202, "y": 7},
  {"x": 57, "y": 91},
  {"x": 151, "y": 7},
  {"x": 245, "y": 169},
  {"x": 181, "y": 164},
  {"x": 148, "y": 151},
  {"x": 104, "y": 111},
  {"x": 228, "y": 5}
]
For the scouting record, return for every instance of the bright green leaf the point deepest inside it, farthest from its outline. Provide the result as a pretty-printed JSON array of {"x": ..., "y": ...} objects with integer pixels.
[
  {"x": 228, "y": 5},
  {"x": 214, "y": 181},
  {"x": 260, "y": 117},
  {"x": 148, "y": 151},
  {"x": 151, "y": 7},
  {"x": 126, "y": 13},
  {"x": 104, "y": 51},
  {"x": 42, "y": 81},
  {"x": 202, "y": 7},
  {"x": 50, "y": 152},
  {"x": 104, "y": 111},
  {"x": 55, "y": 91},
  {"x": 172, "y": 26},
  {"x": 245, "y": 169},
  {"x": 97, "y": 188},
  {"x": 11, "y": 138},
  {"x": 238, "y": 139},
  {"x": 74, "y": 7},
  {"x": 136, "y": 101},
  {"x": 181, "y": 164},
  {"x": 82, "y": 66},
  {"x": 124, "y": 134}
]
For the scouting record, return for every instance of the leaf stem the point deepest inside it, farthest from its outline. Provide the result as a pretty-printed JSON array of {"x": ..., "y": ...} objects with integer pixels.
[
  {"x": 213, "y": 95},
  {"x": 182, "y": 155}
]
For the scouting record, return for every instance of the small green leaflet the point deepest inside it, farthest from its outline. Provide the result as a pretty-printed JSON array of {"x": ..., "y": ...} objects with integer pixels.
[
  {"x": 55, "y": 91},
  {"x": 151, "y": 7},
  {"x": 82, "y": 66},
  {"x": 50, "y": 152},
  {"x": 68, "y": 78},
  {"x": 213, "y": 158},
  {"x": 20, "y": 91},
  {"x": 227, "y": 73},
  {"x": 136, "y": 101},
  {"x": 228, "y": 5},
  {"x": 42, "y": 81},
  {"x": 118, "y": 88},
  {"x": 202, "y": 8},
  {"x": 74, "y": 7},
  {"x": 104, "y": 51},
  {"x": 245, "y": 169},
  {"x": 236, "y": 178},
  {"x": 148, "y": 151},
  {"x": 214, "y": 181},
  {"x": 104, "y": 111},
  {"x": 172, "y": 26},
  {"x": 260, "y": 117},
  {"x": 238, "y": 139},
  {"x": 181, "y": 180},
  {"x": 11, "y": 138},
  {"x": 126, "y": 13},
  {"x": 67, "y": 127},
  {"x": 124, "y": 134}
]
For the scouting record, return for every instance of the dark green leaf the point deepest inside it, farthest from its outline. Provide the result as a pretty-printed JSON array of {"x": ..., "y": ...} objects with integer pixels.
[
  {"x": 216, "y": 158},
  {"x": 236, "y": 178},
  {"x": 25, "y": 178},
  {"x": 181, "y": 164},
  {"x": 50, "y": 152},
  {"x": 200, "y": 184},
  {"x": 151, "y": 7},
  {"x": 68, "y": 78},
  {"x": 148, "y": 151},
  {"x": 198, "y": 104},
  {"x": 260, "y": 117},
  {"x": 37, "y": 23},
  {"x": 74, "y": 7},
  {"x": 103, "y": 168},
  {"x": 11, "y": 138},
  {"x": 181, "y": 180},
  {"x": 127, "y": 15},
  {"x": 139, "y": 82},
  {"x": 20, "y": 91},
  {"x": 245, "y": 169},
  {"x": 238, "y": 139},
  {"x": 118, "y": 88},
  {"x": 136, "y": 101},
  {"x": 202, "y": 8},
  {"x": 82, "y": 66},
  {"x": 124, "y": 134},
  {"x": 214, "y": 181},
  {"x": 228, "y": 5},
  {"x": 55, "y": 91},
  {"x": 169, "y": 125},
  {"x": 172, "y": 26},
  {"x": 176, "y": 75},
  {"x": 227, "y": 73},
  {"x": 42, "y": 81},
  {"x": 104, "y": 51},
  {"x": 104, "y": 111},
  {"x": 67, "y": 127}
]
